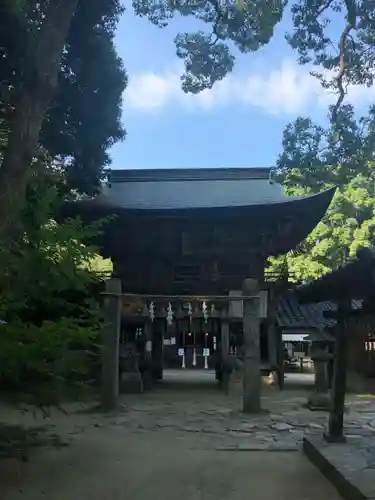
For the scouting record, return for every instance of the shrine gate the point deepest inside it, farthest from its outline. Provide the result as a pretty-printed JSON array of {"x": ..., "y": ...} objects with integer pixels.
[{"x": 189, "y": 249}]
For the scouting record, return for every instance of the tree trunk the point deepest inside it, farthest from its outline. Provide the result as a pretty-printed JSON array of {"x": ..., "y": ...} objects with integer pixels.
[{"x": 32, "y": 103}]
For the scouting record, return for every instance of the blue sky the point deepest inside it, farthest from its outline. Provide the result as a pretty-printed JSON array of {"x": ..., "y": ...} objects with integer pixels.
[{"x": 238, "y": 123}]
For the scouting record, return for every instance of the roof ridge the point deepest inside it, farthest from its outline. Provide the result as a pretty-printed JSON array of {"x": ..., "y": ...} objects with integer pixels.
[{"x": 189, "y": 174}]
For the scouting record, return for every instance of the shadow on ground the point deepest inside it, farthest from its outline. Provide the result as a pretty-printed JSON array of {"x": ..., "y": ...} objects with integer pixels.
[{"x": 185, "y": 440}]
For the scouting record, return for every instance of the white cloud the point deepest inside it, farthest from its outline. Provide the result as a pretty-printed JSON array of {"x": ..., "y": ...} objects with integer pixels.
[{"x": 287, "y": 90}]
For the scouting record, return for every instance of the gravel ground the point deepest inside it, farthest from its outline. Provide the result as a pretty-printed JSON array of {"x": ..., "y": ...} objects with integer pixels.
[{"x": 182, "y": 441}]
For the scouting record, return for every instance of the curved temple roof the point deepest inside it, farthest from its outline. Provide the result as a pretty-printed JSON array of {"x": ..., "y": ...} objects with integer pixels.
[
  {"x": 241, "y": 195},
  {"x": 187, "y": 189}
]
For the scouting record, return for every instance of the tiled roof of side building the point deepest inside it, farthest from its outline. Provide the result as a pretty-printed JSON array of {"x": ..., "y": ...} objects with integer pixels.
[{"x": 292, "y": 314}]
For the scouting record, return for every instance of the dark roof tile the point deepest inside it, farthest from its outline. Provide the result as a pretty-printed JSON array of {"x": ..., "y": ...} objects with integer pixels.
[{"x": 292, "y": 314}]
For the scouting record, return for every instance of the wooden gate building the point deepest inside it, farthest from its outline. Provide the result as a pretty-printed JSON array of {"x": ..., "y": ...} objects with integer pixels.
[{"x": 197, "y": 233}]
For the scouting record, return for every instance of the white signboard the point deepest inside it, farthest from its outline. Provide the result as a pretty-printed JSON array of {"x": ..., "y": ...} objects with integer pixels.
[
  {"x": 206, "y": 352},
  {"x": 181, "y": 352}
]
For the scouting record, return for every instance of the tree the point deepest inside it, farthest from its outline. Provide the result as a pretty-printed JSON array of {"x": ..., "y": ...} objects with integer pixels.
[
  {"x": 313, "y": 158},
  {"x": 84, "y": 119},
  {"x": 341, "y": 155},
  {"x": 207, "y": 55},
  {"x": 38, "y": 67},
  {"x": 50, "y": 283},
  {"x": 61, "y": 75},
  {"x": 352, "y": 56},
  {"x": 250, "y": 25}
]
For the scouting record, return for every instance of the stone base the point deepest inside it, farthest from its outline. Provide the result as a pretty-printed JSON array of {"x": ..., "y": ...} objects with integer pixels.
[
  {"x": 334, "y": 439},
  {"x": 131, "y": 383},
  {"x": 157, "y": 368},
  {"x": 254, "y": 410},
  {"x": 319, "y": 402},
  {"x": 233, "y": 382},
  {"x": 157, "y": 372},
  {"x": 225, "y": 382},
  {"x": 344, "y": 465},
  {"x": 148, "y": 380}
]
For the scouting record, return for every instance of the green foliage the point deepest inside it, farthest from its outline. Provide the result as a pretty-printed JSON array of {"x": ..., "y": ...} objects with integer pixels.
[
  {"x": 42, "y": 364},
  {"x": 250, "y": 25},
  {"x": 315, "y": 22},
  {"x": 206, "y": 55},
  {"x": 49, "y": 297},
  {"x": 51, "y": 275},
  {"x": 342, "y": 156},
  {"x": 84, "y": 118},
  {"x": 50, "y": 267}
]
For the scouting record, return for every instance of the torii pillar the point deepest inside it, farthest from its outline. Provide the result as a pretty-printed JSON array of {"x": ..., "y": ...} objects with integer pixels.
[{"x": 252, "y": 384}]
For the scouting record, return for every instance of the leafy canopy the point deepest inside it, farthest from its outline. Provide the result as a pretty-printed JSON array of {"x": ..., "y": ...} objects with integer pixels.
[
  {"x": 336, "y": 38},
  {"x": 206, "y": 54},
  {"x": 84, "y": 118},
  {"x": 249, "y": 25},
  {"x": 50, "y": 281},
  {"x": 341, "y": 155}
]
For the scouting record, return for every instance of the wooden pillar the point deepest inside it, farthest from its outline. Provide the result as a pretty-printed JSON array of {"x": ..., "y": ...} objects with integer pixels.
[
  {"x": 147, "y": 371},
  {"x": 224, "y": 345},
  {"x": 280, "y": 360},
  {"x": 157, "y": 350},
  {"x": 216, "y": 332},
  {"x": 336, "y": 417},
  {"x": 251, "y": 337},
  {"x": 272, "y": 333},
  {"x": 110, "y": 345},
  {"x": 272, "y": 345}
]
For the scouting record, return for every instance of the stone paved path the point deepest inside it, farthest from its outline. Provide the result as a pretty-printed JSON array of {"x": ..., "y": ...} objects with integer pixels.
[{"x": 180, "y": 442}]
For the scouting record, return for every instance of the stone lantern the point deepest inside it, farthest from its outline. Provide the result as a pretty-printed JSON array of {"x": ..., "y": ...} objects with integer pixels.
[{"x": 320, "y": 398}]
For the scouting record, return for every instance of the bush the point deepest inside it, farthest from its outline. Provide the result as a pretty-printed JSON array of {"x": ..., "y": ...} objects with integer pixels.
[
  {"x": 50, "y": 279},
  {"x": 43, "y": 364}
]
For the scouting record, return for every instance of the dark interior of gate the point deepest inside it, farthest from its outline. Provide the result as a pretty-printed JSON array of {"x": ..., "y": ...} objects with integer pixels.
[
  {"x": 183, "y": 242},
  {"x": 201, "y": 343}
]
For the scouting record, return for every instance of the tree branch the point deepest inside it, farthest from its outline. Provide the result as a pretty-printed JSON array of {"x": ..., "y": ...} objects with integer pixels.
[
  {"x": 34, "y": 97},
  {"x": 219, "y": 17},
  {"x": 324, "y": 7},
  {"x": 351, "y": 24}
]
